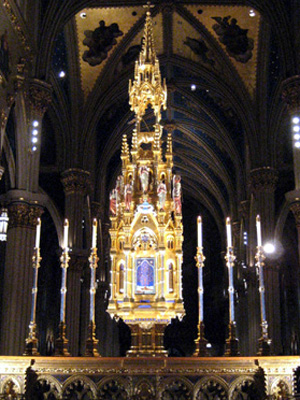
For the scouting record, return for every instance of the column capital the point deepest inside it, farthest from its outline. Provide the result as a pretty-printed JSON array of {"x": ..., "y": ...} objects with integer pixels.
[
  {"x": 40, "y": 96},
  {"x": 22, "y": 214},
  {"x": 170, "y": 126},
  {"x": 78, "y": 260},
  {"x": 264, "y": 178},
  {"x": 75, "y": 180},
  {"x": 291, "y": 94},
  {"x": 236, "y": 228},
  {"x": 97, "y": 210},
  {"x": 244, "y": 209}
]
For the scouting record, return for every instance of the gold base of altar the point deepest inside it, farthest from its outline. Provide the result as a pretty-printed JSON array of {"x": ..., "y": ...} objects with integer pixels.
[
  {"x": 147, "y": 340},
  {"x": 149, "y": 377}
]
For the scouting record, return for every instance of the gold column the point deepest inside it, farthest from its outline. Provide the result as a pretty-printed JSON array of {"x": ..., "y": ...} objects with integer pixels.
[
  {"x": 133, "y": 275},
  {"x": 162, "y": 274},
  {"x": 291, "y": 96},
  {"x": 18, "y": 275},
  {"x": 126, "y": 298},
  {"x": 179, "y": 275}
]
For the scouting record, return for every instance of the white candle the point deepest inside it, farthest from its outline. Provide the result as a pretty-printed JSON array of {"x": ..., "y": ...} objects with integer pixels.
[
  {"x": 258, "y": 230},
  {"x": 66, "y": 233},
  {"x": 94, "y": 236},
  {"x": 199, "y": 232},
  {"x": 228, "y": 230},
  {"x": 38, "y": 233}
]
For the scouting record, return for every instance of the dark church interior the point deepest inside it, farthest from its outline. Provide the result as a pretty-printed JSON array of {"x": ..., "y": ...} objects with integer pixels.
[{"x": 232, "y": 73}]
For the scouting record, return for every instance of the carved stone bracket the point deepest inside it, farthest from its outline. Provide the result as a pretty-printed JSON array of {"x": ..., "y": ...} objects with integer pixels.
[
  {"x": 22, "y": 214},
  {"x": 295, "y": 208},
  {"x": 40, "y": 95},
  {"x": 263, "y": 179},
  {"x": 75, "y": 180},
  {"x": 291, "y": 94}
]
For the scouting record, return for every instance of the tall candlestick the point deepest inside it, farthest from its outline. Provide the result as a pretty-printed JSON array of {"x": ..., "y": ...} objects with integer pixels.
[
  {"x": 94, "y": 235},
  {"x": 258, "y": 230},
  {"x": 228, "y": 229},
  {"x": 91, "y": 341},
  {"x": 66, "y": 233},
  {"x": 38, "y": 233},
  {"x": 61, "y": 341},
  {"x": 199, "y": 232}
]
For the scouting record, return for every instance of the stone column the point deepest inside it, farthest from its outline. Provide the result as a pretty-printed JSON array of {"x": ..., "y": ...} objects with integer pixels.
[
  {"x": 75, "y": 182},
  {"x": 295, "y": 208},
  {"x": 263, "y": 184},
  {"x": 40, "y": 94},
  {"x": 18, "y": 276},
  {"x": 291, "y": 96}
]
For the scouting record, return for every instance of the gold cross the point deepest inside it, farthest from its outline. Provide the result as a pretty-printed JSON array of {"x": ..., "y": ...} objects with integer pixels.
[{"x": 148, "y": 5}]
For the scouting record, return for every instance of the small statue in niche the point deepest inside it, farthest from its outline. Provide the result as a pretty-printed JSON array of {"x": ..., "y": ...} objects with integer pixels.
[
  {"x": 236, "y": 40},
  {"x": 113, "y": 202},
  {"x": 100, "y": 41},
  {"x": 177, "y": 194},
  {"x": 144, "y": 177},
  {"x": 200, "y": 48},
  {"x": 161, "y": 193},
  {"x": 119, "y": 187},
  {"x": 128, "y": 195},
  {"x": 121, "y": 278}
]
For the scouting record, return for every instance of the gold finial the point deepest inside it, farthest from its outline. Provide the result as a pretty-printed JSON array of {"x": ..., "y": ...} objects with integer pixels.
[
  {"x": 125, "y": 149},
  {"x": 169, "y": 143},
  {"x": 147, "y": 88}
]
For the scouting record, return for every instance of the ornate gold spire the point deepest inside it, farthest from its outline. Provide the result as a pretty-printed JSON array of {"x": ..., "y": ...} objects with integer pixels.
[
  {"x": 147, "y": 88},
  {"x": 145, "y": 213}
]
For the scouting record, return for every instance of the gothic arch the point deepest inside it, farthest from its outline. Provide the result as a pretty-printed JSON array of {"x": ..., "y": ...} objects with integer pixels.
[
  {"x": 145, "y": 388},
  {"x": 180, "y": 387},
  {"x": 52, "y": 381},
  {"x": 112, "y": 385},
  {"x": 280, "y": 388},
  {"x": 81, "y": 380},
  {"x": 16, "y": 385},
  {"x": 211, "y": 381},
  {"x": 246, "y": 385}
]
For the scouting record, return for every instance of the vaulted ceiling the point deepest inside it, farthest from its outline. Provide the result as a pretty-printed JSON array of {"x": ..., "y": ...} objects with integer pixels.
[{"x": 223, "y": 61}]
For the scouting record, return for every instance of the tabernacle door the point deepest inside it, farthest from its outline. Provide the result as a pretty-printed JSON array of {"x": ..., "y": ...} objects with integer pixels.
[{"x": 145, "y": 276}]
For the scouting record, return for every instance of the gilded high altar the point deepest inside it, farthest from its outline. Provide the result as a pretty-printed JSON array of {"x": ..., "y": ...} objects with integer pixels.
[{"x": 146, "y": 217}]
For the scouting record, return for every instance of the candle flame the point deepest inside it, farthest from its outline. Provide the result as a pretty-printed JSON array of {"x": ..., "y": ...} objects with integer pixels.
[
  {"x": 38, "y": 221},
  {"x": 66, "y": 223},
  {"x": 199, "y": 219},
  {"x": 95, "y": 222},
  {"x": 227, "y": 221},
  {"x": 257, "y": 218}
]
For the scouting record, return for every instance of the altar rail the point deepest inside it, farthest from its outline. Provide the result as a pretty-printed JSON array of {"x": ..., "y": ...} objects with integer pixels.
[{"x": 235, "y": 378}]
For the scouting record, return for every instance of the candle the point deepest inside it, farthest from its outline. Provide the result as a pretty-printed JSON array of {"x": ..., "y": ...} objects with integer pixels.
[
  {"x": 258, "y": 230},
  {"x": 228, "y": 230},
  {"x": 66, "y": 233},
  {"x": 38, "y": 233},
  {"x": 199, "y": 232},
  {"x": 94, "y": 236}
]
